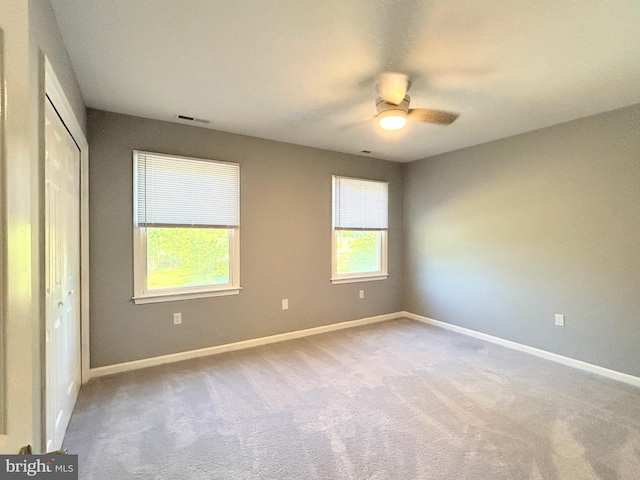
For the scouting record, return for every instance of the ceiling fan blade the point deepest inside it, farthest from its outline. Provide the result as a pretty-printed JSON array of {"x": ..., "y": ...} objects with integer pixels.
[
  {"x": 393, "y": 87},
  {"x": 427, "y": 115}
]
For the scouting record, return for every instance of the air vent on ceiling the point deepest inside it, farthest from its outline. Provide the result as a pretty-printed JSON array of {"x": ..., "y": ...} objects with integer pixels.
[{"x": 191, "y": 119}]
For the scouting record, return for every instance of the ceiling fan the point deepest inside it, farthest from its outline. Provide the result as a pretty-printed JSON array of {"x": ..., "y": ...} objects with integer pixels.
[{"x": 393, "y": 109}]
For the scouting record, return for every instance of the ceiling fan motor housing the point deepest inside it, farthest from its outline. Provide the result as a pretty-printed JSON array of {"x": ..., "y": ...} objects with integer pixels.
[{"x": 382, "y": 106}]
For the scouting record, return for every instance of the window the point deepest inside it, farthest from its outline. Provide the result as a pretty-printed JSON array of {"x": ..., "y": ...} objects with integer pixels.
[
  {"x": 360, "y": 227},
  {"x": 186, "y": 227}
]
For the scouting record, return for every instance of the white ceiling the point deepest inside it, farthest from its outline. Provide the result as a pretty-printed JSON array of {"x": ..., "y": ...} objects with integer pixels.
[{"x": 304, "y": 71}]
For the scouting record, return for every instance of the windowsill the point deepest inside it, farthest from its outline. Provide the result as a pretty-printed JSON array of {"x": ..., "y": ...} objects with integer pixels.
[
  {"x": 368, "y": 278},
  {"x": 172, "y": 297}
]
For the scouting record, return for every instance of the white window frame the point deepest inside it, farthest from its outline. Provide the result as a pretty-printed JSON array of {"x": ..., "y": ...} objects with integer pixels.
[
  {"x": 142, "y": 295},
  {"x": 383, "y": 238}
]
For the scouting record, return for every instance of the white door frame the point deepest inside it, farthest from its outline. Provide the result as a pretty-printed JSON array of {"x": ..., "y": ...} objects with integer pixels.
[
  {"x": 54, "y": 91},
  {"x": 3, "y": 266}
]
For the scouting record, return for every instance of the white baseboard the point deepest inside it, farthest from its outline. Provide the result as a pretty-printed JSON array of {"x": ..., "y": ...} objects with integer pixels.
[
  {"x": 229, "y": 347},
  {"x": 554, "y": 357}
]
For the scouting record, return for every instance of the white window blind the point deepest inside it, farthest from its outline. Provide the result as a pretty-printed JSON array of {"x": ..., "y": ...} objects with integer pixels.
[
  {"x": 360, "y": 204},
  {"x": 186, "y": 192}
]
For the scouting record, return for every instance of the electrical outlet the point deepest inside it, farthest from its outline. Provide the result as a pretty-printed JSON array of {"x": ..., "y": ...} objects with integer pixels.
[
  {"x": 177, "y": 318},
  {"x": 559, "y": 320},
  {"x": 285, "y": 304},
  {"x": 361, "y": 293}
]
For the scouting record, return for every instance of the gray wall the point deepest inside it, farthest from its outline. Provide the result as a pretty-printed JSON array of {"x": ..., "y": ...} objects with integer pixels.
[
  {"x": 285, "y": 242},
  {"x": 502, "y": 236}
]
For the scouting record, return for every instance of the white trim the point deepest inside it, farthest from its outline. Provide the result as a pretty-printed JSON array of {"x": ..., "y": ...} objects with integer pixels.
[
  {"x": 55, "y": 92},
  {"x": 230, "y": 347},
  {"x": 3, "y": 250},
  {"x": 370, "y": 278},
  {"x": 554, "y": 357},
  {"x": 172, "y": 297}
]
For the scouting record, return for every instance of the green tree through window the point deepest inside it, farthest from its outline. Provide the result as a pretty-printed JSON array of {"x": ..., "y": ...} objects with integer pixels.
[
  {"x": 357, "y": 251},
  {"x": 187, "y": 257}
]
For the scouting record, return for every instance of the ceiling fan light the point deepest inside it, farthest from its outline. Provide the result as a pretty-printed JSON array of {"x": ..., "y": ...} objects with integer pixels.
[{"x": 392, "y": 119}]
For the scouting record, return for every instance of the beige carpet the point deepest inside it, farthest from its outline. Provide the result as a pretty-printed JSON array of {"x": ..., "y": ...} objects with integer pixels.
[{"x": 394, "y": 400}]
